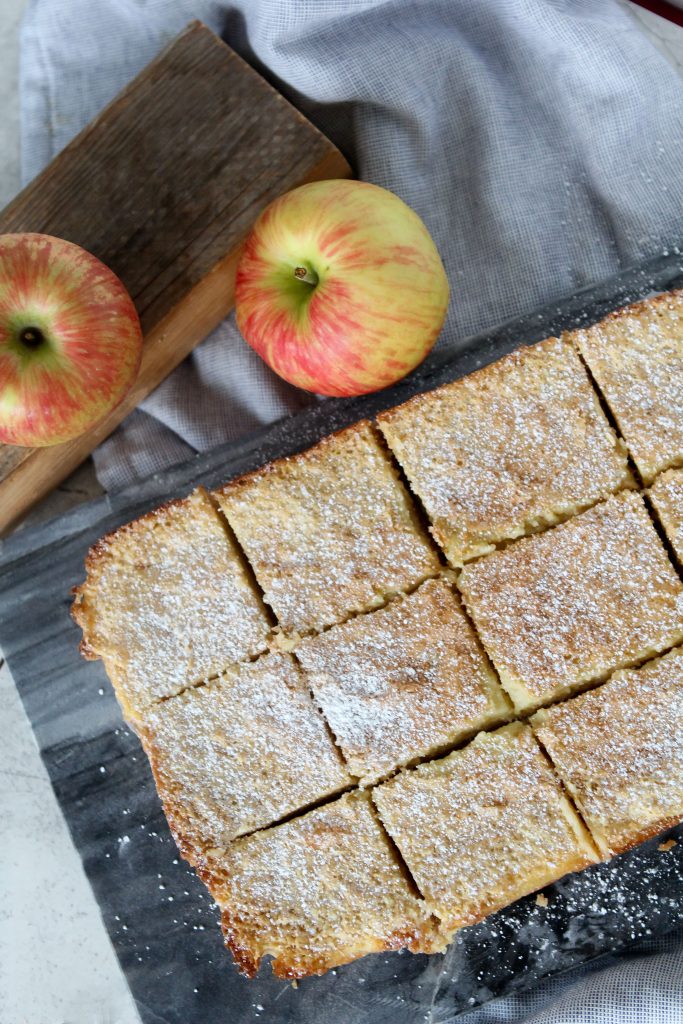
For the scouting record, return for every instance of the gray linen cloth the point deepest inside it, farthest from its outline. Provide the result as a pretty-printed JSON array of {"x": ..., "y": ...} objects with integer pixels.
[{"x": 540, "y": 140}]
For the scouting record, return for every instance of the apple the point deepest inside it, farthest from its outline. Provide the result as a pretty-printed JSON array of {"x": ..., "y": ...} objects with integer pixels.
[
  {"x": 70, "y": 340},
  {"x": 340, "y": 288}
]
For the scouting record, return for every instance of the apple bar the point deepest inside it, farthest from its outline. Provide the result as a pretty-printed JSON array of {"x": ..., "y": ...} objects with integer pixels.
[
  {"x": 406, "y": 682},
  {"x": 666, "y": 495},
  {"x": 167, "y": 602},
  {"x": 565, "y": 608},
  {"x": 636, "y": 358},
  {"x": 619, "y": 752},
  {"x": 505, "y": 451},
  {"x": 329, "y": 532},
  {"x": 241, "y": 752},
  {"x": 317, "y": 892},
  {"x": 484, "y": 826}
]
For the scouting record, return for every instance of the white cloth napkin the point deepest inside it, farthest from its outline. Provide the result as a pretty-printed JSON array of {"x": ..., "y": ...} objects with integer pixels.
[{"x": 540, "y": 140}]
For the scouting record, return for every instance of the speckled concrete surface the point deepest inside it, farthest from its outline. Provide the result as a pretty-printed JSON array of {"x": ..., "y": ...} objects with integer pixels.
[{"x": 56, "y": 963}]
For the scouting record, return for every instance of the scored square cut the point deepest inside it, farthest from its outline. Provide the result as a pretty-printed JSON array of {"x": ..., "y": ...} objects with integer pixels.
[
  {"x": 240, "y": 753},
  {"x": 666, "y": 495},
  {"x": 619, "y": 752},
  {"x": 329, "y": 532},
  {"x": 636, "y": 357},
  {"x": 167, "y": 601},
  {"x": 484, "y": 826},
  {"x": 404, "y": 682},
  {"x": 567, "y": 607},
  {"x": 317, "y": 892},
  {"x": 507, "y": 450}
]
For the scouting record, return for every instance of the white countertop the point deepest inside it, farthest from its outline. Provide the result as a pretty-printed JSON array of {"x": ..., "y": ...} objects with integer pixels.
[{"x": 56, "y": 963}]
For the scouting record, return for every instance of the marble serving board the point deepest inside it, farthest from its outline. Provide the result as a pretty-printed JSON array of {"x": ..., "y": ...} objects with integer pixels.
[{"x": 160, "y": 918}]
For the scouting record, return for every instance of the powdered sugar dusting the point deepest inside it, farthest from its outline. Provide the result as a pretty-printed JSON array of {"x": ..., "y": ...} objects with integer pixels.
[
  {"x": 316, "y": 892},
  {"x": 619, "y": 750},
  {"x": 240, "y": 753},
  {"x": 168, "y": 602},
  {"x": 568, "y": 606},
  {"x": 329, "y": 532},
  {"x": 483, "y": 826},
  {"x": 332, "y": 533},
  {"x": 636, "y": 357},
  {"x": 666, "y": 496},
  {"x": 504, "y": 451},
  {"x": 398, "y": 683}
]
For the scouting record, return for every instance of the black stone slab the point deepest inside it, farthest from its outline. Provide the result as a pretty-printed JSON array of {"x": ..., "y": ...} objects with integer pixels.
[{"x": 160, "y": 919}]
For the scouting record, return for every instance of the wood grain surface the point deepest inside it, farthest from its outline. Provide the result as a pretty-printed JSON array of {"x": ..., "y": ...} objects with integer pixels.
[{"x": 163, "y": 186}]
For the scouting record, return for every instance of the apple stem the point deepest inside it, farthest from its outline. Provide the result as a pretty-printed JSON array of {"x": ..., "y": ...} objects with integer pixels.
[{"x": 304, "y": 274}]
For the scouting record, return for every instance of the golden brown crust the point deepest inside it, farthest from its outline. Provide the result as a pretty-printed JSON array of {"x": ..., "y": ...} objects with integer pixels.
[
  {"x": 174, "y": 813},
  {"x": 636, "y": 358},
  {"x": 484, "y": 826},
  {"x": 642, "y": 836},
  {"x": 661, "y": 304},
  {"x": 405, "y": 682},
  {"x": 279, "y": 466},
  {"x": 132, "y": 712},
  {"x": 618, "y": 751},
  {"x": 508, "y": 450},
  {"x": 317, "y": 892},
  {"x": 329, "y": 532},
  {"x": 561, "y": 609},
  {"x": 416, "y": 940},
  {"x": 95, "y": 561},
  {"x": 168, "y": 601}
]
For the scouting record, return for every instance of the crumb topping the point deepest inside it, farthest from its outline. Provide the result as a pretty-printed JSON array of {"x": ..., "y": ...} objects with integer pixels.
[
  {"x": 666, "y": 495},
  {"x": 241, "y": 752},
  {"x": 570, "y": 605},
  {"x": 619, "y": 751},
  {"x": 512, "y": 447},
  {"x": 317, "y": 891},
  {"x": 402, "y": 681},
  {"x": 168, "y": 600},
  {"x": 636, "y": 357},
  {"x": 329, "y": 532},
  {"x": 483, "y": 826}
]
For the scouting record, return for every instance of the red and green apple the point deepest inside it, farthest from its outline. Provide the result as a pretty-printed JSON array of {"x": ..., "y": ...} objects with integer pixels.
[
  {"x": 70, "y": 340},
  {"x": 340, "y": 288}
]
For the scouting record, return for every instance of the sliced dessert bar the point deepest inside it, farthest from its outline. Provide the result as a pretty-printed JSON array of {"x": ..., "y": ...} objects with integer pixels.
[
  {"x": 317, "y": 892},
  {"x": 636, "y": 358},
  {"x": 567, "y": 607},
  {"x": 619, "y": 752},
  {"x": 403, "y": 682},
  {"x": 240, "y": 753},
  {"x": 513, "y": 447},
  {"x": 484, "y": 826},
  {"x": 329, "y": 532},
  {"x": 666, "y": 495},
  {"x": 167, "y": 600}
]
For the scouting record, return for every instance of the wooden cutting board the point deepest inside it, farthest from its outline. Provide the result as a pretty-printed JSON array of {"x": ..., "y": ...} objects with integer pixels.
[{"x": 163, "y": 186}]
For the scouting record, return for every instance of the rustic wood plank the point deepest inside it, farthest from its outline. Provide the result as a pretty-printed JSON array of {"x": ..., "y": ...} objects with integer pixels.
[
  {"x": 163, "y": 186},
  {"x": 11, "y": 457}
]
